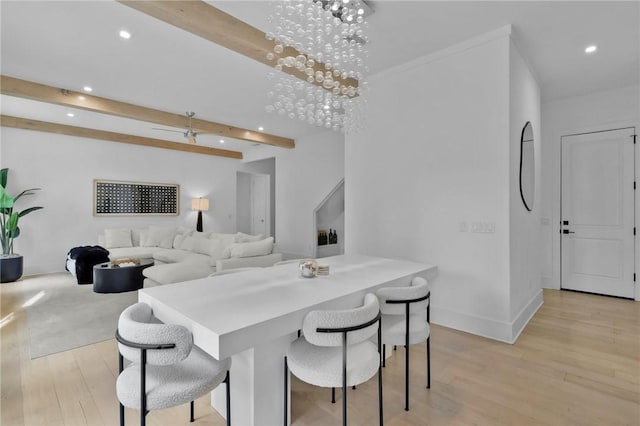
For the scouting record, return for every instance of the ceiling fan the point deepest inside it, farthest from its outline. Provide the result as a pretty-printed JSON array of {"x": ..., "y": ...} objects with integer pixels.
[{"x": 189, "y": 134}]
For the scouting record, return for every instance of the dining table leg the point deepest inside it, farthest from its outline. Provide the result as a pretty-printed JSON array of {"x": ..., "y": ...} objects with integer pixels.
[{"x": 257, "y": 392}]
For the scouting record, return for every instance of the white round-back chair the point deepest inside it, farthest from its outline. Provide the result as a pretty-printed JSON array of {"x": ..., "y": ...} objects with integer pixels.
[
  {"x": 336, "y": 351},
  {"x": 166, "y": 369},
  {"x": 403, "y": 321}
]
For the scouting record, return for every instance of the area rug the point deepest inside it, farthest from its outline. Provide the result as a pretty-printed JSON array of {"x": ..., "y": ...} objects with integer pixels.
[{"x": 63, "y": 315}]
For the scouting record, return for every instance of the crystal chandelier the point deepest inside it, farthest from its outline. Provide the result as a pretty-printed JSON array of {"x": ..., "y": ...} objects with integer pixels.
[{"x": 319, "y": 53}]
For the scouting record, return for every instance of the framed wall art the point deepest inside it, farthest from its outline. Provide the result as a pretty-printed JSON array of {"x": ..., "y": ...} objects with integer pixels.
[{"x": 113, "y": 197}]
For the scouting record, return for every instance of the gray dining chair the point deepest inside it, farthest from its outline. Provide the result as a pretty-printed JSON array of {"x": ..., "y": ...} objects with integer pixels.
[
  {"x": 336, "y": 351},
  {"x": 403, "y": 323},
  {"x": 165, "y": 368}
]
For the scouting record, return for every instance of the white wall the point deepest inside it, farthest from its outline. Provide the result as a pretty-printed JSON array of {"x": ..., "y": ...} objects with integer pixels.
[
  {"x": 525, "y": 270},
  {"x": 434, "y": 158},
  {"x": 304, "y": 177},
  {"x": 64, "y": 167},
  {"x": 597, "y": 111}
]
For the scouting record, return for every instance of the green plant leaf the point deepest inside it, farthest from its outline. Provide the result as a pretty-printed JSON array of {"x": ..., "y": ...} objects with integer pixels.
[
  {"x": 29, "y": 210},
  {"x": 25, "y": 192},
  {"x": 15, "y": 233},
  {"x": 6, "y": 200},
  {"x": 3, "y": 177},
  {"x": 12, "y": 222}
]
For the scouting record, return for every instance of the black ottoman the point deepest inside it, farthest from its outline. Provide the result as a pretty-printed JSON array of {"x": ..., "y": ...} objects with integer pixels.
[{"x": 80, "y": 261}]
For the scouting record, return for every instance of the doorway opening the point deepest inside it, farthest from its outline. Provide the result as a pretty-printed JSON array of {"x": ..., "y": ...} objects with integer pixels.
[{"x": 255, "y": 198}]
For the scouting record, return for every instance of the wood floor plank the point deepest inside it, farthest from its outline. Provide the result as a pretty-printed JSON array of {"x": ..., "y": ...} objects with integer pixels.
[
  {"x": 94, "y": 371},
  {"x": 41, "y": 404},
  {"x": 11, "y": 377},
  {"x": 78, "y": 408}
]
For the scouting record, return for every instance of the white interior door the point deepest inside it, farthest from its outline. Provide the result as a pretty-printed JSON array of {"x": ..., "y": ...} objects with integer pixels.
[
  {"x": 260, "y": 205},
  {"x": 597, "y": 223}
]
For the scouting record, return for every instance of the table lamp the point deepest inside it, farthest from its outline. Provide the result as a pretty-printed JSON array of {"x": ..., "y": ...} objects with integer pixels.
[{"x": 200, "y": 205}]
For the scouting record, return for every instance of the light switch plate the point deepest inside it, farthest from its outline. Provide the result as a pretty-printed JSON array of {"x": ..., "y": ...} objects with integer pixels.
[{"x": 483, "y": 227}]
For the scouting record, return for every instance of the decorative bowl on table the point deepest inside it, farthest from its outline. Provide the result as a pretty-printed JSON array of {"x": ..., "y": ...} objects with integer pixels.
[{"x": 308, "y": 268}]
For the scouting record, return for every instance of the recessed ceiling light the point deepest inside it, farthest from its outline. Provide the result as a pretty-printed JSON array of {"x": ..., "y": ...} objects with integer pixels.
[
  {"x": 591, "y": 49},
  {"x": 221, "y": 140},
  {"x": 87, "y": 89},
  {"x": 125, "y": 34},
  {"x": 261, "y": 128},
  {"x": 70, "y": 114}
]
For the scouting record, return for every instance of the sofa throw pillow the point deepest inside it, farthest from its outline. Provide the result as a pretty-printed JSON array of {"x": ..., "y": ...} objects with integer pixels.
[
  {"x": 213, "y": 248},
  {"x": 189, "y": 243},
  {"x": 178, "y": 240},
  {"x": 196, "y": 245},
  {"x": 160, "y": 236},
  {"x": 116, "y": 238},
  {"x": 135, "y": 237},
  {"x": 144, "y": 236},
  {"x": 187, "y": 232},
  {"x": 217, "y": 250},
  {"x": 241, "y": 237},
  {"x": 226, "y": 239},
  {"x": 255, "y": 248}
]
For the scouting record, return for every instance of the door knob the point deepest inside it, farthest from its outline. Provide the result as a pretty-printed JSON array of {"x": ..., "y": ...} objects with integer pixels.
[{"x": 566, "y": 231}]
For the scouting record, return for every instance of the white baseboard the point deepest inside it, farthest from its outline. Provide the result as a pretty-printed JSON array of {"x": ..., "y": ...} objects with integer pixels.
[
  {"x": 481, "y": 326},
  {"x": 502, "y": 331},
  {"x": 525, "y": 315},
  {"x": 43, "y": 269}
]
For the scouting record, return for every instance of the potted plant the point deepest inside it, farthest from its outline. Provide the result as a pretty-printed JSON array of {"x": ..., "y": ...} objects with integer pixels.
[{"x": 10, "y": 262}]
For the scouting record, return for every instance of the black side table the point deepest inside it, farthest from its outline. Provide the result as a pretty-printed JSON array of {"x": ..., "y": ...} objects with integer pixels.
[{"x": 108, "y": 278}]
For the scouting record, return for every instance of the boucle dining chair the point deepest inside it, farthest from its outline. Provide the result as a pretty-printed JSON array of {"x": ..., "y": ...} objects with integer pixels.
[
  {"x": 336, "y": 351},
  {"x": 403, "y": 323},
  {"x": 166, "y": 369}
]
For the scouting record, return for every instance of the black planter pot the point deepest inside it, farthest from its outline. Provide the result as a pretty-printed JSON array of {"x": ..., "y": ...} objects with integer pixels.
[{"x": 10, "y": 268}]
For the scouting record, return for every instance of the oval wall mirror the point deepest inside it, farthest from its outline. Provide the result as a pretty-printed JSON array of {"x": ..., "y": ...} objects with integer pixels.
[{"x": 527, "y": 166}]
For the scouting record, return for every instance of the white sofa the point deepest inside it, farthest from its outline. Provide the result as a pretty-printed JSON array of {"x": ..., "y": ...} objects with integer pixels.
[{"x": 181, "y": 254}]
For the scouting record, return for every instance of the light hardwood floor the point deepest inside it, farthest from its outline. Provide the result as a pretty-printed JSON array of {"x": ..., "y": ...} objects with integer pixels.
[{"x": 577, "y": 362}]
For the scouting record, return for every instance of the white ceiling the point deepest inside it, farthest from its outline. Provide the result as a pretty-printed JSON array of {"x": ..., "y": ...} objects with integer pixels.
[{"x": 75, "y": 43}]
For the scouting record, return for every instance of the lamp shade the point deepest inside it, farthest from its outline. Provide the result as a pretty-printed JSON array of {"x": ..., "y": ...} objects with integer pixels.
[{"x": 200, "y": 204}]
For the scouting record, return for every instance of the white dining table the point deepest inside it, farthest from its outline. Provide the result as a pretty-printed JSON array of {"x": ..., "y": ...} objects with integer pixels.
[{"x": 253, "y": 315}]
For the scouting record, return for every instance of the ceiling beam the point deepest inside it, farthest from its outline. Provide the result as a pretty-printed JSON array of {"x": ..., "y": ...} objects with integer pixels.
[
  {"x": 63, "y": 129},
  {"x": 210, "y": 23},
  {"x": 39, "y": 92}
]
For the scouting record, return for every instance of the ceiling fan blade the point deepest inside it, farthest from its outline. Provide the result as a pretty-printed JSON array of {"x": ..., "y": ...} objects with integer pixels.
[{"x": 167, "y": 130}]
